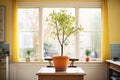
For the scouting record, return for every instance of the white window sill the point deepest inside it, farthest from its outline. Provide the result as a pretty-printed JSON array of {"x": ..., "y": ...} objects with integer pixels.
[{"x": 43, "y": 61}]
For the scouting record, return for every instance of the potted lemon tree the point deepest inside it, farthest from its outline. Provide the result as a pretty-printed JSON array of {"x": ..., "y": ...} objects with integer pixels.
[{"x": 62, "y": 24}]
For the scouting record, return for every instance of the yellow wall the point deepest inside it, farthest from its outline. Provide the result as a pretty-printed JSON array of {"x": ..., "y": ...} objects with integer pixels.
[
  {"x": 7, "y": 4},
  {"x": 114, "y": 16},
  {"x": 114, "y": 21}
]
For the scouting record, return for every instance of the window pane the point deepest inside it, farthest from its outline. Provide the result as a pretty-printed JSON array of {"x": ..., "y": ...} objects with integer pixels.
[
  {"x": 28, "y": 40},
  {"x": 51, "y": 46},
  {"x": 28, "y": 20},
  {"x": 90, "y": 18},
  {"x": 90, "y": 38}
]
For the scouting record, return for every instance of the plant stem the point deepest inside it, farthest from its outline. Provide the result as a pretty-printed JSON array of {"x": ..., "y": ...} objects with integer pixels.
[
  {"x": 61, "y": 43},
  {"x": 62, "y": 50},
  {"x": 70, "y": 34},
  {"x": 57, "y": 33}
]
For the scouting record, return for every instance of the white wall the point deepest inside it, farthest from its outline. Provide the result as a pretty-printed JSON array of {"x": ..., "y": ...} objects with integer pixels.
[{"x": 27, "y": 71}]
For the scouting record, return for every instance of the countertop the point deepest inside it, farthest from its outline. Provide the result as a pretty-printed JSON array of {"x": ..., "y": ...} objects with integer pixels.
[{"x": 113, "y": 62}]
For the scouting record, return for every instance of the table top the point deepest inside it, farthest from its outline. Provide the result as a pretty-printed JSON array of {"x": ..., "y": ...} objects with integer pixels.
[{"x": 69, "y": 71}]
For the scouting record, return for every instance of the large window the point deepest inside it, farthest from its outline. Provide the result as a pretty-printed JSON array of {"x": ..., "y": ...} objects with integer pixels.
[{"x": 34, "y": 33}]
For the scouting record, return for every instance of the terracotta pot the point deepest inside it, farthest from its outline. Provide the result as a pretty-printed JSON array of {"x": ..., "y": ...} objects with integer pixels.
[
  {"x": 60, "y": 62},
  {"x": 87, "y": 59},
  {"x": 27, "y": 59}
]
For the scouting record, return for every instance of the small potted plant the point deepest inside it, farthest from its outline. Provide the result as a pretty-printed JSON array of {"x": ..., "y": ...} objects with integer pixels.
[
  {"x": 28, "y": 55},
  {"x": 87, "y": 53},
  {"x": 62, "y": 24}
]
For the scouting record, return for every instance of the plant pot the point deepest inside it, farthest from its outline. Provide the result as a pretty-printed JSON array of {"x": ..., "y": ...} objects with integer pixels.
[
  {"x": 27, "y": 59},
  {"x": 60, "y": 62},
  {"x": 87, "y": 59}
]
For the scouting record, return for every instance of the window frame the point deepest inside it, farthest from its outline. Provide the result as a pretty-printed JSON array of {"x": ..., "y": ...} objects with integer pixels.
[{"x": 75, "y": 5}]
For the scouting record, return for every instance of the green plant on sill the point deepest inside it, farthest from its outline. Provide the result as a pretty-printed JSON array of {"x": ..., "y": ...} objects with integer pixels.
[
  {"x": 62, "y": 24},
  {"x": 28, "y": 52},
  {"x": 87, "y": 52}
]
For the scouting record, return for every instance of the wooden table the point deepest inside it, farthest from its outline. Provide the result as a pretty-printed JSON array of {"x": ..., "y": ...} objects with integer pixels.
[{"x": 70, "y": 74}]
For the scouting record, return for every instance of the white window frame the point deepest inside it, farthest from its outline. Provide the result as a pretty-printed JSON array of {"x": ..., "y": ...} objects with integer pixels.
[{"x": 75, "y": 5}]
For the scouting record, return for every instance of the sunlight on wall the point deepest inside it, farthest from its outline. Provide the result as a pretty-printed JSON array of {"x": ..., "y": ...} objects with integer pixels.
[{"x": 114, "y": 21}]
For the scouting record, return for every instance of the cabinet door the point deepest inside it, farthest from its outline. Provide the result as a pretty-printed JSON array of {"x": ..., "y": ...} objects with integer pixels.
[
  {"x": 2, "y": 74},
  {"x": 114, "y": 72}
]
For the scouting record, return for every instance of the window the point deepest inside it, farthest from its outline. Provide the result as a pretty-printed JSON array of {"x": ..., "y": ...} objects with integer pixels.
[
  {"x": 28, "y": 19},
  {"x": 90, "y": 38},
  {"x": 34, "y": 33}
]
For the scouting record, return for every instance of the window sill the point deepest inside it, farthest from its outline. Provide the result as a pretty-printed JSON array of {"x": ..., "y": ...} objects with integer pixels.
[
  {"x": 47, "y": 62},
  {"x": 81, "y": 60}
]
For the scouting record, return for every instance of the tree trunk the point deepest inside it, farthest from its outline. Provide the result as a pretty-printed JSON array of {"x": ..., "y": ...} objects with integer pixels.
[{"x": 62, "y": 50}]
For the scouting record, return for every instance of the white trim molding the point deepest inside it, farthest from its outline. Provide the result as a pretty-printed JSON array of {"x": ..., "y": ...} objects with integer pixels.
[{"x": 60, "y": 4}]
